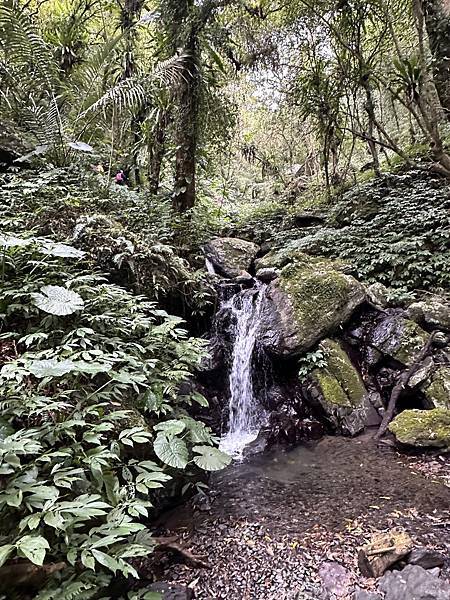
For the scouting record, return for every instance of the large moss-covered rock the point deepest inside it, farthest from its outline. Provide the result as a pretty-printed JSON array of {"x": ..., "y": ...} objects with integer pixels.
[
  {"x": 437, "y": 389},
  {"x": 423, "y": 428},
  {"x": 306, "y": 303},
  {"x": 231, "y": 256},
  {"x": 339, "y": 392}
]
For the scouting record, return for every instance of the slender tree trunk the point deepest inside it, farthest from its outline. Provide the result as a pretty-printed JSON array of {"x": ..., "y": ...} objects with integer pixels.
[
  {"x": 370, "y": 110},
  {"x": 437, "y": 22},
  {"x": 186, "y": 129},
  {"x": 156, "y": 151}
]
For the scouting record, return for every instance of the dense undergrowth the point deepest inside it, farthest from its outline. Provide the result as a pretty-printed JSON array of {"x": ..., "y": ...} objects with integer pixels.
[
  {"x": 394, "y": 229},
  {"x": 95, "y": 433}
]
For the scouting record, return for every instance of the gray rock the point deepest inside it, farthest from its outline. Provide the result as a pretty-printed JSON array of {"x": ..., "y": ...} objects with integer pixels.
[
  {"x": 230, "y": 256},
  {"x": 335, "y": 578},
  {"x": 378, "y": 294},
  {"x": 266, "y": 275},
  {"x": 422, "y": 372},
  {"x": 306, "y": 303},
  {"x": 437, "y": 388},
  {"x": 400, "y": 338},
  {"x": 413, "y": 583},
  {"x": 433, "y": 311},
  {"x": 426, "y": 558},
  {"x": 245, "y": 278}
]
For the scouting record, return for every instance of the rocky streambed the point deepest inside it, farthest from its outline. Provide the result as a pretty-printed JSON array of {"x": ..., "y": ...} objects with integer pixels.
[{"x": 285, "y": 525}]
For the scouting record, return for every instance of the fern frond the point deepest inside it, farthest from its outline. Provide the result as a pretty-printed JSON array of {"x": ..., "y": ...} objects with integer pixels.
[
  {"x": 133, "y": 91},
  {"x": 23, "y": 46}
]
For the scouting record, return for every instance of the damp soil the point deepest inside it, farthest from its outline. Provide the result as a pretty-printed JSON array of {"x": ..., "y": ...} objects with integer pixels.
[{"x": 269, "y": 523}]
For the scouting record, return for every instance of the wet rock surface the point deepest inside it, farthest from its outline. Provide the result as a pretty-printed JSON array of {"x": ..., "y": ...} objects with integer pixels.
[{"x": 272, "y": 522}]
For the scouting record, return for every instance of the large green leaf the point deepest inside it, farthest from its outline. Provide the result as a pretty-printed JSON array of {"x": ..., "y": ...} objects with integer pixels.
[
  {"x": 171, "y": 427},
  {"x": 50, "y": 368},
  {"x": 171, "y": 450},
  {"x": 211, "y": 459},
  {"x": 62, "y": 250},
  {"x": 58, "y": 300},
  {"x": 33, "y": 547}
]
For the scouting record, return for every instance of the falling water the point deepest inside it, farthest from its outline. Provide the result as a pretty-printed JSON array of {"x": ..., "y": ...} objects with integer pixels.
[
  {"x": 210, "y": 267},
  {"x": 244, "y": 413}
]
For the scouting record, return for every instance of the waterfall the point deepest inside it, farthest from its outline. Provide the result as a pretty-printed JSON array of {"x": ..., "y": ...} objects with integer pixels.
[
  {"x": 210, "y": 267},
  {"x": 244, "y": 412}
]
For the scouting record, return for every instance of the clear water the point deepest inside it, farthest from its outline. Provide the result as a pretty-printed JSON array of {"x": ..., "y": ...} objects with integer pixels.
[
  {"x": 244, "y": 410},
  {"x": 209, "y": 267}
]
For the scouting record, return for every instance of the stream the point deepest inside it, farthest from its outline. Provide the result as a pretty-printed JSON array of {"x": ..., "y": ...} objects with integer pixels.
[{"x": 269, "y": 523}]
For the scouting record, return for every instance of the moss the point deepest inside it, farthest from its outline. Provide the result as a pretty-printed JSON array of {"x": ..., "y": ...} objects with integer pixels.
[
  {"x": 413, "y": 339},
  {"x": 343, "y": 370},
  {"x": 331, "y": 389},
  {"x": 315, "y": 292},
  {"x": 438, "y": 391},
  {"x": 423, "y": 427}
]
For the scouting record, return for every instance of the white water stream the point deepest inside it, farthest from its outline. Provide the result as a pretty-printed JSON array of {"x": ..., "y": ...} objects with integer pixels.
[{"x": 244, "y": 412}]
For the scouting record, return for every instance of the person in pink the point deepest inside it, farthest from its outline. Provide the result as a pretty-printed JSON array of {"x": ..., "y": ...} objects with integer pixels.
[{"x": 120, "y": 178}]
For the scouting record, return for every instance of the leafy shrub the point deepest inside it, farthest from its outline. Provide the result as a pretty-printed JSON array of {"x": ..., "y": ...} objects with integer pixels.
[{"x": 94, "y": 429}]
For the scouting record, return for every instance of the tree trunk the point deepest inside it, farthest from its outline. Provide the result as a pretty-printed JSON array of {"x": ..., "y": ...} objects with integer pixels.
[
  {"x": 186, "y": 129},
  {"x": 437, "y": 22},
  {"x": 156, "y": 151}
]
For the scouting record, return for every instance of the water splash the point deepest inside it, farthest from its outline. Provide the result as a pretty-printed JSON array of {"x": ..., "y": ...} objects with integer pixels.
[{"x": 244, "y": 410}]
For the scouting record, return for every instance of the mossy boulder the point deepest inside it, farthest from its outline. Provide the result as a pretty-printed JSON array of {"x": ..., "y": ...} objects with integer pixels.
[
  {"x": 437, "y": 389},
  {"x": 231, "y": 256},
  {"x": 397, "y": 337},
  {"x": 423, "y": 428},
  {"x": 338, "y": 391},
  {"x": 306, "y": 303}
]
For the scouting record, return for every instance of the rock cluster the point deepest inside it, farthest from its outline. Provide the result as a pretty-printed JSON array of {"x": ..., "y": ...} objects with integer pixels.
[{"x": 315, "y": 306}]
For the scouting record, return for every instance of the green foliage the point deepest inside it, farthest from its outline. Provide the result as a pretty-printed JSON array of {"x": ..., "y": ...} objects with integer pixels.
[
  {"x": 316, "y": 359},
  {"x": 393, "y": 230},
  {"x": 133, "y": 236},
  {"x": 93, "y": 427}
]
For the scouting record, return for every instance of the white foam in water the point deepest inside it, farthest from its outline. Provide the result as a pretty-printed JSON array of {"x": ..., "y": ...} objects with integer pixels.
[{"x": 243, "y": 426}]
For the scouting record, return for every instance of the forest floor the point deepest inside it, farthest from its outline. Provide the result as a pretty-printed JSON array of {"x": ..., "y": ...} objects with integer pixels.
[{"x": 270, "y": 525}]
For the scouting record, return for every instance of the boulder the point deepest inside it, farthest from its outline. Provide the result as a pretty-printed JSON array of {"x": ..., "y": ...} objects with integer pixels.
[
  {"x": 384, "y": 550},
  {"x": 413, "y": 583},
  {"x": 395, "y": 336},
  {"x": 433, "y": 311},
  {"x": 306, "y": 303},
  {"x": 423, "y": 428},
  {"x": 336, "y": 579},
  {"x": 426, "y": 558},
  {"x": 266, "y": 275},
  {"x": 378, "y": 294},
  {"x": 437, "y": 388},
  {"x": 338, "y": 390},
  {"x": 231, "y": 256}
]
